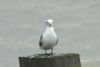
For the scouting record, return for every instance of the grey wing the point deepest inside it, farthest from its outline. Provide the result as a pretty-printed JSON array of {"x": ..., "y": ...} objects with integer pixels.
[
  {"x": 40, "y": 42},
  {"x": 57, "y": 41}
]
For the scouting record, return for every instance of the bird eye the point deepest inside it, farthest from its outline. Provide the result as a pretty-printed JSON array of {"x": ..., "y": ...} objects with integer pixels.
[{"x": 46, "y": 22}]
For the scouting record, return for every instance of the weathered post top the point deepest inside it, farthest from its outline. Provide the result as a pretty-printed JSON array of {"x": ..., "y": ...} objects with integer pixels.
[{"x": 56, "y": 60}]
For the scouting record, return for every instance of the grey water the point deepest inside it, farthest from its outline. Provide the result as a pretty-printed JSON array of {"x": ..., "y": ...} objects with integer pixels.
[{"x": 76, "y": 22}]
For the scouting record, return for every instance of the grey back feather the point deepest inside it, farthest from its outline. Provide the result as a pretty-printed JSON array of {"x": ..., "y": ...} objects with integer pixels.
[
  {"x": 57, "y": 41},
  {"x": 40, "y": 42}
]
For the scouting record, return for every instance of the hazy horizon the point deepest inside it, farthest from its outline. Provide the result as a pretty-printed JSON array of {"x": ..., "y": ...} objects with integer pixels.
[{"x": 76, "y": 22}]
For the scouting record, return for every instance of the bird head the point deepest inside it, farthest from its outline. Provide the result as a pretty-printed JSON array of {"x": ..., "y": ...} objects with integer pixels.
[{"x": 49, "y": 22}]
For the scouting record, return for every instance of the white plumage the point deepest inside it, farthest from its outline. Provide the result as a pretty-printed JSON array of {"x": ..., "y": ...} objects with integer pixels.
[{"x": 49, "y": 38}]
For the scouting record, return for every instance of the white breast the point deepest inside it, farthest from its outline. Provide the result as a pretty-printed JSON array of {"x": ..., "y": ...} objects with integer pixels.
[{"x": 49, "y": 39}]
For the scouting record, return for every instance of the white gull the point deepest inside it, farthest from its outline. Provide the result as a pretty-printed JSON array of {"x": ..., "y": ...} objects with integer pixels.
[{"x": 48, "y": 39}]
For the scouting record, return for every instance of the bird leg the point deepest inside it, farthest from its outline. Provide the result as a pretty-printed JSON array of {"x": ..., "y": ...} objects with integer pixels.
[
  {"x": 45, "y": 52},
  {"x": 52, "y": 51}
]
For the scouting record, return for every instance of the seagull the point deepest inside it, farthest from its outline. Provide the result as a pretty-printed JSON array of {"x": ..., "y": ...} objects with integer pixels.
[{"x": 49, "y": 39}]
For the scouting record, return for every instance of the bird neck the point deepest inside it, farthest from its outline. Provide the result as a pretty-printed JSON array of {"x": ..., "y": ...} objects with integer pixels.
[{"x": 50, "y": 28}]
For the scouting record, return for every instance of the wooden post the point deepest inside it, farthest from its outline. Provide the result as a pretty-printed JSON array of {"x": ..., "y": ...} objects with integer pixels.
[{"x": 42, "y": 60}]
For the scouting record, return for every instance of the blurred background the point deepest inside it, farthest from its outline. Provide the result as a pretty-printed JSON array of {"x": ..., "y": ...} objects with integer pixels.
[{"x": 76, "y": 22}]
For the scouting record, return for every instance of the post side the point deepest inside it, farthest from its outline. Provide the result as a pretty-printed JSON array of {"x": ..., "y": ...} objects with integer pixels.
[{"x": 61, "y": 60}]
